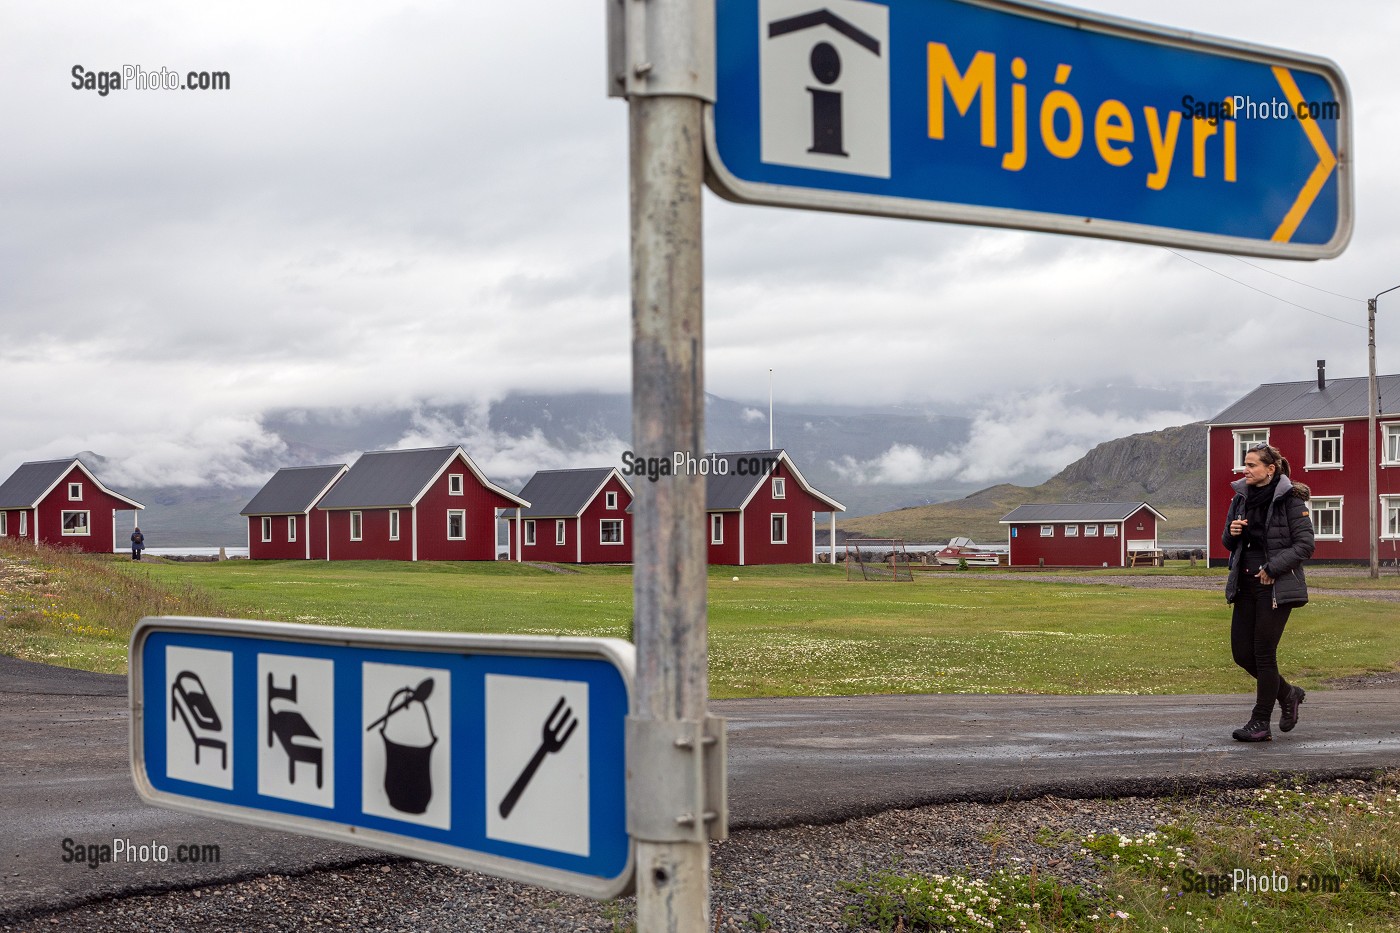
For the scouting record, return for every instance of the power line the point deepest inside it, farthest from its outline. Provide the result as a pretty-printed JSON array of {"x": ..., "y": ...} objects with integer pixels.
[
  {"x": 1295, "y": 281},
  {"x": 1262, "y": 292}
]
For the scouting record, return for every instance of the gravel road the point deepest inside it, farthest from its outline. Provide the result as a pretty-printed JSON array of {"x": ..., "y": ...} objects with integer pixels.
[{"x": 789, "y": 878}]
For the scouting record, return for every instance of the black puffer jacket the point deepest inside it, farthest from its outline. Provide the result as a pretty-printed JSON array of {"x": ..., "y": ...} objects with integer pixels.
[{"x": 1288, "y": 537}]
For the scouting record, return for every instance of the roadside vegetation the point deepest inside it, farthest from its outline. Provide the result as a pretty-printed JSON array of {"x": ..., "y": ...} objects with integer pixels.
[
  {"x": 62, "y": 607},
  {"x": 1291, "y": 858},
  {"x": 776, "y": 631}
]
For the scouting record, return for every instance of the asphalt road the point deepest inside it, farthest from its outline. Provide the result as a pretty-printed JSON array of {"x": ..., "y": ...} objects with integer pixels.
[{"x": 64, "y": 771}]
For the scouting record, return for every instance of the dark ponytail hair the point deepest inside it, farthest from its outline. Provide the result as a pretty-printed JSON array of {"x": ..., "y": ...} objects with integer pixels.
[{"x": 1270, "y": 456}]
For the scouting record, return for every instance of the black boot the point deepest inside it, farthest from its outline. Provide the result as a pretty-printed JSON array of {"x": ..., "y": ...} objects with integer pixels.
[
  {"x": 1256, "y": 730},
  {"x": 1290, "y": 705}
]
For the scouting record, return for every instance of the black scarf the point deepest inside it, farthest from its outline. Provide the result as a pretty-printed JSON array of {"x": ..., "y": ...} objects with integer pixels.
[{"x": 1256, "y": 512}]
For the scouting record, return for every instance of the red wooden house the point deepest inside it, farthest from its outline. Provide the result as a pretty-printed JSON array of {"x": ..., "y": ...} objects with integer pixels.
[
  {"x": 761, "y": 510},
  {"x": 426, "y": 504},
  {"x": 61, "y": 503},
  {"x": 1082, "y": 534},
  {"x": 1321, "y": 427},
  {"x": 575, "y": 517},
  {"x": 284, "y": 522}
]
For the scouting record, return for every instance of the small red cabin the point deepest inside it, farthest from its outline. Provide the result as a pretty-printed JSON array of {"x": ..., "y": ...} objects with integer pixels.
[
  {"x": 426, "y": 504},
  {"x": 61, "y": 503},
  {"x": 1082, "y": 534},
  {"x": 1322, "y": 428},
  {"x": 760, "y": 509},
  {"x": 575, "y": 517},
  {"x": 284, "y": 522}
]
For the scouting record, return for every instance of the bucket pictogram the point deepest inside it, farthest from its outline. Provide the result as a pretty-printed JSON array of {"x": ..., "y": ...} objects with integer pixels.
[{"x": 408, "y": 778}]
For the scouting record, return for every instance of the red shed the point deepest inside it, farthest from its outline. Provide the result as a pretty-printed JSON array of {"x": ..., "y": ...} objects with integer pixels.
[
  {"x": 427, "y": 504},
  {"x": 1081, "y": 534},
  {"x": 575, "y": 517},
  {"x": 61, "y": 503},
  {"x": 760, "y": 509},
  {"x": 284, "y": 522},
  {"x": 1321, "y": 427}
]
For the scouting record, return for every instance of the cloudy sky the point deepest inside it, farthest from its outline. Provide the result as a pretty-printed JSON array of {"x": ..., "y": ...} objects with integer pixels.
[{"x": 402, "y": 204}]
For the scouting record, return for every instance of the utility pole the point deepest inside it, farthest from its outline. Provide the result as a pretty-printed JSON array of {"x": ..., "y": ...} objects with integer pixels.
[
  {"x": 770, "y": 409},
  {"x": 661, "y": 58},
  {"x": 1373, "y": 501}
]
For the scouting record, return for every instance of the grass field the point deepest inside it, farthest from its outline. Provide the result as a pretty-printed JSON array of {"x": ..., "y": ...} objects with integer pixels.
[{"x": 794, "y": 631}]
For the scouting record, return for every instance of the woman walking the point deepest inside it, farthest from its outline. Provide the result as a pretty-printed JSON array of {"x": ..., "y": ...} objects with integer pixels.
[{"x": 1269, "y": 534}]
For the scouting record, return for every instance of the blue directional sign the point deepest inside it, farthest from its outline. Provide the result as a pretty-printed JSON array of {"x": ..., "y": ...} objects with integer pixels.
[
  {"x": 1033, "y": 116},
  {"x": 502, "y": 754}
]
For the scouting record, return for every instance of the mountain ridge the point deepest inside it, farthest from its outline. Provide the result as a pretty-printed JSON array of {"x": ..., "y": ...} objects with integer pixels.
[{"x": 1165, "y": 469}]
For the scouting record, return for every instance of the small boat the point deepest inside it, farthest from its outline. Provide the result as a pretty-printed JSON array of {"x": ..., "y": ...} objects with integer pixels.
[{"x": 962, "y": 550}]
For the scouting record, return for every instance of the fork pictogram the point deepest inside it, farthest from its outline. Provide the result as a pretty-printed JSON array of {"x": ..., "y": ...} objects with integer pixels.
[{"x": 556, "y": 731}]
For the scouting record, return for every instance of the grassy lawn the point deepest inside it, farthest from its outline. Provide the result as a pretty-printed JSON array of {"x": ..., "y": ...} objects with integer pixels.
[{"x": 799, "y": 631}]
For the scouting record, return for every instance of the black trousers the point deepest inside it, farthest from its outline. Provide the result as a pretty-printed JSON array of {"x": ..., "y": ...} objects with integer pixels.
[{"x": 1255, "y": 630}]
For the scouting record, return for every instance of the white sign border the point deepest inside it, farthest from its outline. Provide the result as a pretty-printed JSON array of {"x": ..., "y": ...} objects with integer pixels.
[{"x": 620, "y": 654}]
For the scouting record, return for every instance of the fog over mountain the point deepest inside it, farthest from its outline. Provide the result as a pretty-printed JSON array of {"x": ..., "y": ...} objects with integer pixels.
[{"x": 871, "y": 457}]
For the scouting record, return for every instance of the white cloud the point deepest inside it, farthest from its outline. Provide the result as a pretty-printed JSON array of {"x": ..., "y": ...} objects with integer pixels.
[
  {"x": 1032, "y": 434},
  {"x": 397, "y": 206},
  {"x": 504, "y": 457}
]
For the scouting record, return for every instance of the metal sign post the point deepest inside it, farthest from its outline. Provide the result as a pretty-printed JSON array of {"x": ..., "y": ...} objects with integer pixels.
[{"x": 661, "y": 59}]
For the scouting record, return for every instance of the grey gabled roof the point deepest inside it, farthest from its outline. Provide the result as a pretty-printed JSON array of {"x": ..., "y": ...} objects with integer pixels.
[
  {"x": 564, "y": 493},
  {"x": 31, "y": 482},
  {"x": 293, "y": 490},
  {"x": 726, "y": 490},
  {"x": 394, "y": 479},
  {"x": 1278, "y": 402},
  {"x": 1053, "y": 512}
]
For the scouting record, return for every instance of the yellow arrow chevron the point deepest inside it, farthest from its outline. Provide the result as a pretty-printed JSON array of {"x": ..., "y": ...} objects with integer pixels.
[{"x": 1326, "y": 160}]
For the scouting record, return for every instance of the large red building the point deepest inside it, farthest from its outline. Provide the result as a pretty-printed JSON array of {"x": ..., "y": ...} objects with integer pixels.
[
  {"x": 1081, "y": 534},
  {"x": 761, "y": 510},
  {"x": 575, "y": 517},
  {"x": 1321, "y": 427},
  {"x": 61, "y": 503},
  {"x": 284, "y": 522},
  {"x": 426, "y": 504}
]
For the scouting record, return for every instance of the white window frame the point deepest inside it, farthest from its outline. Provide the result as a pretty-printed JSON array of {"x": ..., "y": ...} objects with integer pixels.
[
  {"x": 1110, "y": 531},
  {"x": 23, "y": 524},
  {"x": 1091, "y": 531},
  {"x": 1047, "y": 531},
  {"x": 393, "y": 524},
  {"x": 75, "y": 492},
  {"x": 1071, "y": 531},
  {"x": 610, "y": 501},
  {"x": 456, "y": 484},
  {"x": 716, "y": 529},
  {"x": 1316, "y": 505},
  {"x": 561, "y": 532},
  {"x": 779, "y": 488},
  {"x": 4, "y": 523},
  {"x": 357, "y": 526},
  {"x": 1390, "y": 443},
  {"x": 773, "y": 519},
  {"x": 1310, "y": 438},
  {"x": 1390, "y": 517},
  {"x": 602, "y": 524},
  {"x": 459, "y": 513},
  {"x": 267, "y": 529},
  {"x": 291, "y": 529},
  {"x": 1244, "y": 439},
  {"x": 529, "y": 532},
  {"x": 87, "y": 523}
]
